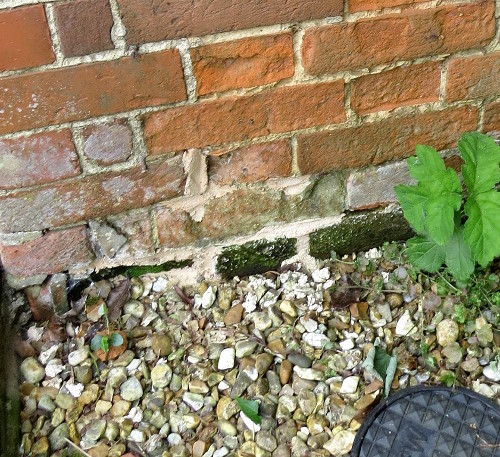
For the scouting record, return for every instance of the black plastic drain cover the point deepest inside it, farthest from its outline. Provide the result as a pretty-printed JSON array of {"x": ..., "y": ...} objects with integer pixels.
[{"x": 431, "y": 422}]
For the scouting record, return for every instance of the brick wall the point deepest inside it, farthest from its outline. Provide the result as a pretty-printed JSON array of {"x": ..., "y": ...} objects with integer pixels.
[{"x": 146, "y": 130}]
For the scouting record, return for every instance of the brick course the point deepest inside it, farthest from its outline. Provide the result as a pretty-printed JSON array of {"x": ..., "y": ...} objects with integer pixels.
[
  {"x": 395, "y": 138},
  {"x": 155, "y": 20},
  {"x": 239, "y": 118},
  {"x": 108, "y": 143},
  {"x": 355, "y": 6},
  {"x": 37, "y": 159},
  {"x": 88, "y": 90},
  {"x": 405, "y": 36},
  {"x": 243, "y": 63},
  {"x": 491, "y": 120},
  {"x": 24, "y": 38}
]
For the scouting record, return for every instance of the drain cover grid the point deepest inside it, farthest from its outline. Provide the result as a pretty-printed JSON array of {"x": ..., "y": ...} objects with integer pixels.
[{"x": 431, "y": 422}]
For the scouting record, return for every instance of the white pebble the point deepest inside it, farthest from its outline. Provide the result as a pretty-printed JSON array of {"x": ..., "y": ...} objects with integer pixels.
[
  {"x": 316, "y": 340},
  {"x": 350, "y": 385},
  {"x": 250, "y": 424},
  {"x": 226, "y": 360},
  {"x": 78, "y": 356},
  {"x": 347, "y": 344},
  {"x": 48, "y": 355},
  {"x": 160, "y": 285},
  {"x": 137, "y": 436}
]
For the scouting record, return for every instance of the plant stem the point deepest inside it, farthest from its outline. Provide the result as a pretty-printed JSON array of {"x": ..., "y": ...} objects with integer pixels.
[{"x": 79, "y": 449}]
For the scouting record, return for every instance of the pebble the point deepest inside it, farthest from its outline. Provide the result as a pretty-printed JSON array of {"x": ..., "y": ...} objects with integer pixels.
[
  {"x": 57, "y": 438},
  {"x": 96, "y": 430},
  {"x": 131, "y": 389},
  {"x": 350, "y": 385},
  {"x": 405, "y": 325},
  {"x": 316, "y": 340},
  {"x": 161, "y": 375},
  {"x": 226, "y": 359},
  {"x": 226, "y": 428},
  {"x": 309, "y": 373},
  {"x": 234, "y": 314},
  {"x": 244, "y": 348},
  {"x": 32, "y": 371},
  {"x": 341, "y": 443},
  {"x": 299, "y": 359},
  {"x": 194, "y": 401},
  {"x": 78, "y": 356},
  {"x": 492, "y": 372},
  {"x": 447, "y": 332}
]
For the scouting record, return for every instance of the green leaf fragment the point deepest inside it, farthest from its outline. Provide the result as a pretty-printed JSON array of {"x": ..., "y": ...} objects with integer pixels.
[
  {"x": 382, "y": 365},
  {"x": 412, "y": 199},
  {"x": 95, "y": 342},
  {"x": 251, "y": 409},
  {"x": 115, "y": 339},
  {"x": 458, "y": 256},
  {"x": 425, "y": 253},
  {"x": 105, "y": 344}
]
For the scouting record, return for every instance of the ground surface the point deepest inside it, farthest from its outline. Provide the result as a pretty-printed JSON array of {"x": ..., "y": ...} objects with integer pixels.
[{"x": 295, "y": 341}]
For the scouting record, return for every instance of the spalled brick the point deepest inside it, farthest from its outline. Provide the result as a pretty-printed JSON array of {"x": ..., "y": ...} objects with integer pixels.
[
  {"x": 108, "y": 143},
  {"x": 491, "y": 121},
  {"x": 84, "y": 26},
  {"x": 408, "y": 35},
  {"x": 411, "y": 85},
  {"x": 243, "y": 63},
  {"x": 175, "y": 227},
  {"x": 37, "y": 159},
  {"x": 91, "y": 197},
  {"x": 156, "y": 20},
  {"x": 88, "y": 90},
  {"x": 24, "y": 38},
  {"x": 355, "y": 6},
  {"x": 378, "y": 142},
  {"x": 473, "y": 77},
  {"x": 239, "y": 118},
  {"x": 54, "y": 252},
  {"x": 253, "y": 163}
]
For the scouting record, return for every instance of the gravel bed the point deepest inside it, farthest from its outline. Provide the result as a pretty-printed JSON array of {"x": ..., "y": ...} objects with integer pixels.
[{"x": 294, "y": 341}]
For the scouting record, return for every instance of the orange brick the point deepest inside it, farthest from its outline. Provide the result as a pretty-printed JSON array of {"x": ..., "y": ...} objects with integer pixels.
[
  {"x": 239, "y": 118},
  {"x": 243, "y": 63},
  {"x": 91, "y": 197},
  {"x": 175, "y": 227},
  {"x": 24, "y": 38},
  {"x": 88, "y": 90},
  {"x": 370, "y": 5},
  {"x": 473, "y": 77},
  {"x": 399, "y": 87},
  {"x": 378, "y": 142},
  {"x": 408, "y": 35},
  {"x": 491, "y": 122},
  {"x": 253, "y": 163}
]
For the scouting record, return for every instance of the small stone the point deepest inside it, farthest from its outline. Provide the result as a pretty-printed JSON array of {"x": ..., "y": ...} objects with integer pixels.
[
  {"x": 307, "y": 402},
  {"x": 316, "y": 340},
  {"x": 112, "y": 431},
  {"x": 285, "y": 371},
  {"x": 243, "y": 380},
  {"x": 309, "y": 324},
  {"x": 341, "y": 443},
  {"x": 265, "y": 440},
  {"x": 194, "y": 401},
  {"x": 245, "y": 348},
  {"x": 234, "y": 314},
  {"x": 453, "y": 353},
  {"x": 57, "y": 438},
  {"x": 226, "y": 428},
  {"x": 137, "y": 435},
  {"x": 299, "y": 359},
  {"x": 78, "y": 356},
  {"x": 40, "y": 447},
  {"x": 160, "y": 285},
  {"x": 161, "y": 375},
  {"x": 46, "y": 404},
  {"x": 131, "y": 389},
  {"x": 394, "y": 300},
  {"x": 349, "y": 385},
  {"x": 124, "y": 359},
  {"x": 470, "y": 365},
  {"x": 262, "y": 321},
  {"x": 484, "y": 331},
  {"x": 161, "y": 344},
  {"x": 347, "y": 344},
  {"x": 226, "y": 408},
  {"x": 102, "y": 407},
  {"x": 83, "y": 374},
  {"x": 309, "y": 373},
  {"x": 134, "y": 308},
  {"x": 32, "y": 371},
  {"x": 447, "y": 332},
  {"x": 226, "y": 359},
  {"x": 492, "y": 372},
  {"x": 263, "y": 362},
  {"x": 286, "y": 306},
  {"x": 405, "y": 326},
  {"x": 65, "y": 401},
  {"x": 191, "y": 420},
  {"x": 96, "y": 430},
  {"x": 199, "y": 448}
]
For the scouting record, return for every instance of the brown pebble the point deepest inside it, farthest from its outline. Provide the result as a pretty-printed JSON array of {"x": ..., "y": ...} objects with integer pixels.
[
  {"x": 233, "y": 316},
  {"x": 285, "y": 371},
  {"x": 199, "y": 448}
]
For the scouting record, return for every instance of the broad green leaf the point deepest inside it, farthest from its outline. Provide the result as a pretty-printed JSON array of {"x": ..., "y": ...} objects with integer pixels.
[
  {"x": 482, "y": 157},
  {"x": 103, "y": 310},
  {"x": 482, "y": 226},
  {"x": 412, "y": 200},
  {"x": 115, "y": 339},
  {"x": 440, "y": 212},
  {"x": 427, "y": 165},
  {"x": 425, "y": 253},
  {"x": 382, "y": 365},
  {"x": 458, "y": 256},
  {"x": 250, "y": 408},
  {"x": 105, "y": 344},
  {"x": 95, "y": 343}
]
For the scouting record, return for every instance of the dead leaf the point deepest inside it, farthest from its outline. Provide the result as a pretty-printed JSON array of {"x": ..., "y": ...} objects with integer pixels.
[
  {"x": 117, "y": 298},
  {"x": 344, "y": 294}
]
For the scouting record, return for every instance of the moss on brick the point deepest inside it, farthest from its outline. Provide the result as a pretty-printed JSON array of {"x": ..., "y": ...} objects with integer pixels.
[
  {"x": 359, "y": 232},
  {"x": 133, "y": 271},
  {"x": 255, "y": 257}
]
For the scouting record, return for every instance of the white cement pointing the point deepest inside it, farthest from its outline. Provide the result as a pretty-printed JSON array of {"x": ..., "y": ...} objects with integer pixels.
[
  {"x": 56, "y": 44},
  {"x": 187, "y": 65},
  {"x": 118, "y": 32}
]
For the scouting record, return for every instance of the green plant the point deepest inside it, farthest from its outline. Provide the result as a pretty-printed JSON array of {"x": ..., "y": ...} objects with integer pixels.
[
  {"x": 104, "y": 341},
  {"x": 433, "y": 208},
  {"x": 250, "y": 408}
]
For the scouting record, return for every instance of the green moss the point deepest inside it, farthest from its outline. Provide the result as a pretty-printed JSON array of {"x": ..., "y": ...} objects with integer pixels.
[
  {"x": 255, "y": 257},
  {"x": 134, "y": 271},
  {"x": 359, "y": 232}
]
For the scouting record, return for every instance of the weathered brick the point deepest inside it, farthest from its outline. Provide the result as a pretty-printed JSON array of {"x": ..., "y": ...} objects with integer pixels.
[
  {"x": 374, "y": 186},
  {"x": 253, "y": 163},
  {"x": 37, "y": 159},
  {"x": 108, "y": 143},
  {"x": 24, "y": 38},
  {"x": 91, "y": 197},
  {"x": 88, "y": 90},
  {"x": 54, "y": 252},
  {"x": 355, "y": 6},
  {"x": 84, "y": 26},
  {"x": 378, "y": 142},
  {"x": 175, "y": 227},
  {"x": 399, "y": 87},
  {"x": 243, "y": 63},
  {"x": 155, "y": 20},
  {"x": 239, "y": 118},
  {"x": 473, "y": 77},
  {"x": 491, "y": 121},
  {"x": 408, "y": 35}
]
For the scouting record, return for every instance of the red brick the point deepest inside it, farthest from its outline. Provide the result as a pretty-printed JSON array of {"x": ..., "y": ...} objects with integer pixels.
[
  {"x": 75, "y": 93},
  {"x": 243, "y": 63},
  {"x": 253, "y": 163},
  {"x": 239, "y": 118},
  {"x": 108, "y": 143},
  {"x": 370, "y": 5},
  {"x": 473, "y": 77},
  {"x": 378, "y": 142},
  {"x": 91, "y": 197},
  {"x": 156, "y": 20},
  {"x": 52, "y": 253},
  {"x": 399, "y": 87},
  {"x": 37, "y": 159},
  {"x": 408, "y": 35},
  {"x": 491, "y": 121},
  {"x": 24, "y": 38},
  {"x": 84, "y": 26},
  {"x": 175, "y": 227}
]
